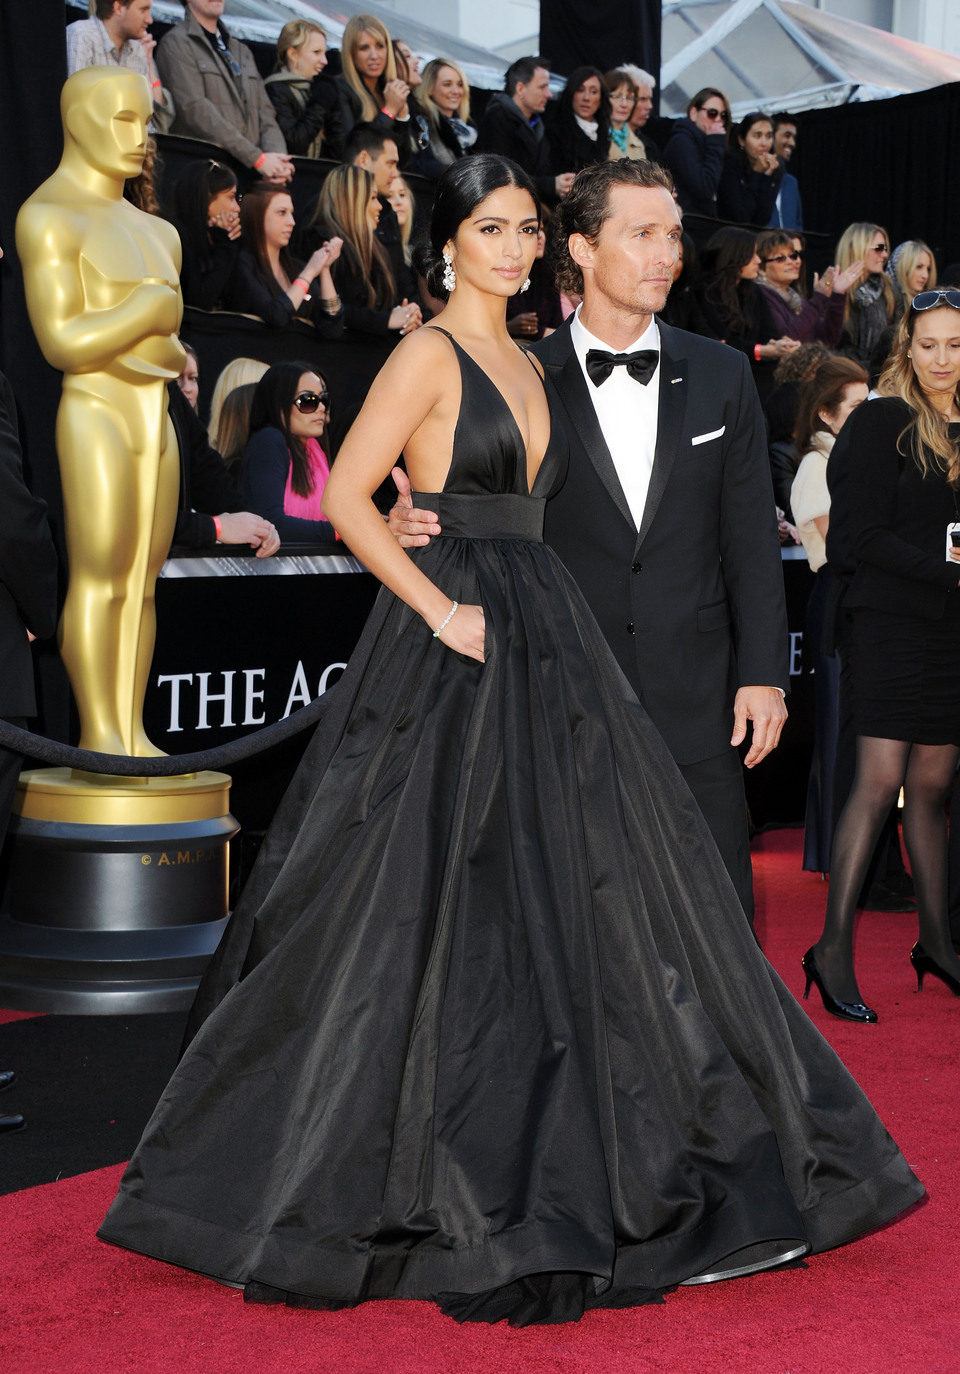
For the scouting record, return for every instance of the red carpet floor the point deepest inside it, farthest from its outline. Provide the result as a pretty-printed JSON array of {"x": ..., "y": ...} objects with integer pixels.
[{"x": 890, "y": 1302}]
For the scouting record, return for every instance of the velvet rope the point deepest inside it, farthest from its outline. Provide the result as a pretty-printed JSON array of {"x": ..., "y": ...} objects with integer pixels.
[{"x": 166, "y": 765}]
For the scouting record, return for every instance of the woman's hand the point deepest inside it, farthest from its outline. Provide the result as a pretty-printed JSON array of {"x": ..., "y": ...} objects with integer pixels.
[
  {"x": 395, "y": 94},
  {"x": 842, "y": 281},
  {"x": 767, "y": 163},
  {"x": 332, "y": 248},
  {"x": 228, "y": 221},
  {"x": 465, "y": 632},
  {"x": 405, "y": 317},
  {"x": 523, "y": 326}
]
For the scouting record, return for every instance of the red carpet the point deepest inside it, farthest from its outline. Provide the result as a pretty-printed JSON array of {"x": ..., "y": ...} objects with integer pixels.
[{"x": 890, "y": 1302}]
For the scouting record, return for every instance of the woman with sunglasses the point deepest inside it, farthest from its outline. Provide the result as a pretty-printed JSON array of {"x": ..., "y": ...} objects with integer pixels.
[
  {"x": 269, "y": 281},
  {"x": 445, "y": 102},
  {"x": 895, "y": 482},
  {"x": 751, "y": 174},
  {"x": 695, "y": 151},
  {"x": 818, "y": 318},
  {"x": 284, "y": 467},
  {"x": 870, "y": 306}
]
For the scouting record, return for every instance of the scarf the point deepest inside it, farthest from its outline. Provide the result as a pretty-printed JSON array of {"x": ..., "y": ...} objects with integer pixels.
[{"x": 868, "y": 319}]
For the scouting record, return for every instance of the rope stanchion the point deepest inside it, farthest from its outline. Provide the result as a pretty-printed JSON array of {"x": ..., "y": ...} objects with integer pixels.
[{"x": 165, "y": 765}]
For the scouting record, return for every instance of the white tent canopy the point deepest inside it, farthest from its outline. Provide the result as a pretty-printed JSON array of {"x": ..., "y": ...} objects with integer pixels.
[
  {"x": 260, "y": 21},
  {"x": 785, "y": 55}
]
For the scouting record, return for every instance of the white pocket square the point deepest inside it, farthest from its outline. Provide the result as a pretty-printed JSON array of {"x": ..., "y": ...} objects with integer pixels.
[{"x": 705, "y": 438}]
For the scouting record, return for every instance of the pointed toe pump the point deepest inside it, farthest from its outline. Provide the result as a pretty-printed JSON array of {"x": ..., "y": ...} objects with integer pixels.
[{"x": 847, "y": 1011}]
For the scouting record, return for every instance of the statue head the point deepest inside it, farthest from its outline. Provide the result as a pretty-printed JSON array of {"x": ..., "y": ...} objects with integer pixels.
[{"x": 105, "y": 113}]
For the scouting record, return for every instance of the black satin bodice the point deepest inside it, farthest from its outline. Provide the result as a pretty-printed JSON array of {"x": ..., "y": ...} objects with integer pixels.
[{"x": 485, "y": 494}]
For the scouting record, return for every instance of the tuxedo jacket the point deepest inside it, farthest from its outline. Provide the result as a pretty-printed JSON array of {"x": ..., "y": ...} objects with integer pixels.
[
  {"x": 28, "y": 569},
  {"x": 692, "y": 604}
]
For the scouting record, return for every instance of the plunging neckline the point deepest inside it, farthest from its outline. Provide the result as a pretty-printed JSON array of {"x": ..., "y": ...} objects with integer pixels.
[{"x": 507, "y": 407}]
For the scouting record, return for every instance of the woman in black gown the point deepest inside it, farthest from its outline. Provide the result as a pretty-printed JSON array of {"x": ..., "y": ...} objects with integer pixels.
[{"x": 488, "y": 1026}]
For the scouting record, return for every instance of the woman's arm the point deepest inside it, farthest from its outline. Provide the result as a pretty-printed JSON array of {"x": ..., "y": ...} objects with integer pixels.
[{"x": 414, "y": 396}]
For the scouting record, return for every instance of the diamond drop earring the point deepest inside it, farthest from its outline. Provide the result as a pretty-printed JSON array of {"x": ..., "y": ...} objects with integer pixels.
[
  {"x": 449, "y": 276},
  {"x": 525, "y": 286}
]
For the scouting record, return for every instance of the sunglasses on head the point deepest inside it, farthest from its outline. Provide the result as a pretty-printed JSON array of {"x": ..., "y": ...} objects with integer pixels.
[
  {"x": 308, "y": 402},
  {"x": 785, "y": 257},
  {"x": 928, "y": 299},
  {"x": 713, "y": 113}
]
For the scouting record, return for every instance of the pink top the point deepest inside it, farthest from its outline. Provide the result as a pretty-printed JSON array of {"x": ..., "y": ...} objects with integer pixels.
[{"x": 308, "y": 507}]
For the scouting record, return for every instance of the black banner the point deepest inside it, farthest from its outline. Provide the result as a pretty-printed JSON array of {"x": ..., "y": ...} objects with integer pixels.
[{"x": 600, "y": 33}]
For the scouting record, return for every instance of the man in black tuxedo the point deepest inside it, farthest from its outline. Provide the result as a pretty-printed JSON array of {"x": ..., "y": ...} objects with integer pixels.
[{"x": 667, "y": 518}]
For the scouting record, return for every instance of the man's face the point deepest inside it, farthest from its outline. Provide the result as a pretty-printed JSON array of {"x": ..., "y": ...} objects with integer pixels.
[
  {"x": 641, "y": 110},
  {"x": 385, "y": 167},
  {"x": 206, "y": 12},
  {"x": 631, "y": 265},
  {"x": 134, "y": 18},
  {"x": 532, "y": 95},
  {"x": 785, "y": 140}
]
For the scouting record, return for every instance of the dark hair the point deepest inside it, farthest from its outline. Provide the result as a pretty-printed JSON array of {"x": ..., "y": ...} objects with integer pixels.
[
  {"x": 773, "y": 238},
  {"x": 824, "y": 391},
  {"x": 586, "y": 207},
  {"x": 272, "y": 404},
  {"x": 253, "y": 209},
  {"x": 520, "y": 73},
  {"x": 727, "y": 252},
  {"x": 189, "y": 206},
  {"x": 233, "y": 425},
  {"x": 563, "y": 110},
  {"x": 782, "y": 117},
  {"x": 741, "y": 129},
  {"x": 104, "y": 8},
  {"x": 403, "y": 66},
  {"x": 365, "y": 138},
  {"x": 697, "y": 102},
  {"x": 464, "y": 184},
  {"x": 616, "y": 78}
]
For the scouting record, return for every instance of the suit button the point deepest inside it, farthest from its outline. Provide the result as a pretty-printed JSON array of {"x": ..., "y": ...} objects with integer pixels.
[
  {"x": 630, "y": 629},
  {"x": 637, "y": 567}
]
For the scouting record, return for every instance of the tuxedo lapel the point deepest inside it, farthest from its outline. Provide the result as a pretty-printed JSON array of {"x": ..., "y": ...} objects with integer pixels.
[
  {"x": 570, "y": 383},
  {"x": 670, "y": 414}
]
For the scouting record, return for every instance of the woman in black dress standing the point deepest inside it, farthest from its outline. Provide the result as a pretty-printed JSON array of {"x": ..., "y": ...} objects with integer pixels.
[{"x": 901, "y": 510}]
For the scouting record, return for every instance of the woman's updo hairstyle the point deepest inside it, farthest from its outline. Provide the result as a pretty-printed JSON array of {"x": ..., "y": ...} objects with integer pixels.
[{"x": 459, "y": 191}]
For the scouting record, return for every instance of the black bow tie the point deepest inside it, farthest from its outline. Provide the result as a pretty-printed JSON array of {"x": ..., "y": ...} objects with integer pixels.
[{"x": 641, "y": 365}]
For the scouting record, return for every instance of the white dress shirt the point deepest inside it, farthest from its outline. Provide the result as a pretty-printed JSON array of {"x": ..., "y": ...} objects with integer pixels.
[{"x": 627, "y": 412}]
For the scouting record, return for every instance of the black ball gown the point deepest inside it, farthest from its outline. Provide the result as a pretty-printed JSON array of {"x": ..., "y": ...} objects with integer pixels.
[{"x": 489, "y": 1026}]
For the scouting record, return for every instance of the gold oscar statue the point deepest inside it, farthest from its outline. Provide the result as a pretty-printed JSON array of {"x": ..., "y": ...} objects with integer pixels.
[
  {"x": 117, "y": 888},
  {"x": 102, "y": 283}
]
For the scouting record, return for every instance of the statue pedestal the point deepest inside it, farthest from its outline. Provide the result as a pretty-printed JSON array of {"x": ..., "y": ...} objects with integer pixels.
[{"x": 114, "y": 891}]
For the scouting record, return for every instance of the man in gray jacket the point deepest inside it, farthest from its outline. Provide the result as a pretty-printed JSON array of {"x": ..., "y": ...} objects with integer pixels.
[{"x": 218, "y": 92}]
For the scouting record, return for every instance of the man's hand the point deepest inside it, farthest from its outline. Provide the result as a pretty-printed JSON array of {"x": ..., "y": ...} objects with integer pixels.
[
  {"x": 563, "y": 182},
  {"x": 242, "y": 527},
  {"x": 767, "y": 709},
  {"x": 276, "y": 167},
  {"x": 410, "y": 527}
]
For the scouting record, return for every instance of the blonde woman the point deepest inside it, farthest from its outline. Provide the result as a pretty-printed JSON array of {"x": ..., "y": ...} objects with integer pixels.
[
  {"x": 240, "y": 372},
  {"x": 404, "y": 206},
  {"x": 304, "y": 97},
  {"x": 911, "y": 268},
  {"x": 368, "y": 88},
  {"x": 445, "y": 100},
  {"x": 348, "y": 209},
  {"x": 898, "y": 506},
  {"x": 871, "y": 303}
]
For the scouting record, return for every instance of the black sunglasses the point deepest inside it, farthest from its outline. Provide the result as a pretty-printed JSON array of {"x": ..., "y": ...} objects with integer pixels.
[
  {"x": 785, "y": 257},
  {"x": 308, "y": 402},
  {"x": 928, "y": 299},
  {"x": 713, "y": 113}
]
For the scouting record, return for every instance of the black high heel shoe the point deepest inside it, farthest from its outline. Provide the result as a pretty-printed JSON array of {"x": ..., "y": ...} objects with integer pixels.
[
  {"x": 923, "y": 963},
  {"x": 847, "y": 1011}
]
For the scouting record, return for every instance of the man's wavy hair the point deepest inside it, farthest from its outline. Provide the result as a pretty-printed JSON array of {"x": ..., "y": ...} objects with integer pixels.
[{"x": 586, "y": 206}]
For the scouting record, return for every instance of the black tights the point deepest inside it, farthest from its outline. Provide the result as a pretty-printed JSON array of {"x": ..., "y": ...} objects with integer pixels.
[{"x": 925, "y": 771}]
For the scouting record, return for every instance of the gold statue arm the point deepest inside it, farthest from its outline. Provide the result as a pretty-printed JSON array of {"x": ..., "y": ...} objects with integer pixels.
[{"x": 76, "y": 333}]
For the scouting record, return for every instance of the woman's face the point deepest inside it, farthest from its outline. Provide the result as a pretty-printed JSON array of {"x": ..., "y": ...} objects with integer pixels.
[
  {"x": 399, "y": 198},
  {"x": 278, "y": 221},
  {"x": 935, "y": 350},
  {"x": 854, "y": 393},
  {"x": 757, "y": 140},
  {"x": 495, "y": 247},
  {"x": 751, "y": 270},
  {"x": 224, "y": 202},
  {"x": 447, "y": 91},
  {"x": 782, "y": 268},
  {"x": 413, "y": 63},
  {"x": 374, "y": 207},
  {"x": 300, "y": 423},
  {"x": 586, "y": 98},
  {"x": 878, "y": 250},
  {"x": 918, "y": 278},
  {"x": 311, "y": 59},
  {"x": 621, "y": 106},
  {"x": 370, "y": 57},
  {"x": 189, "y": 380}
]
